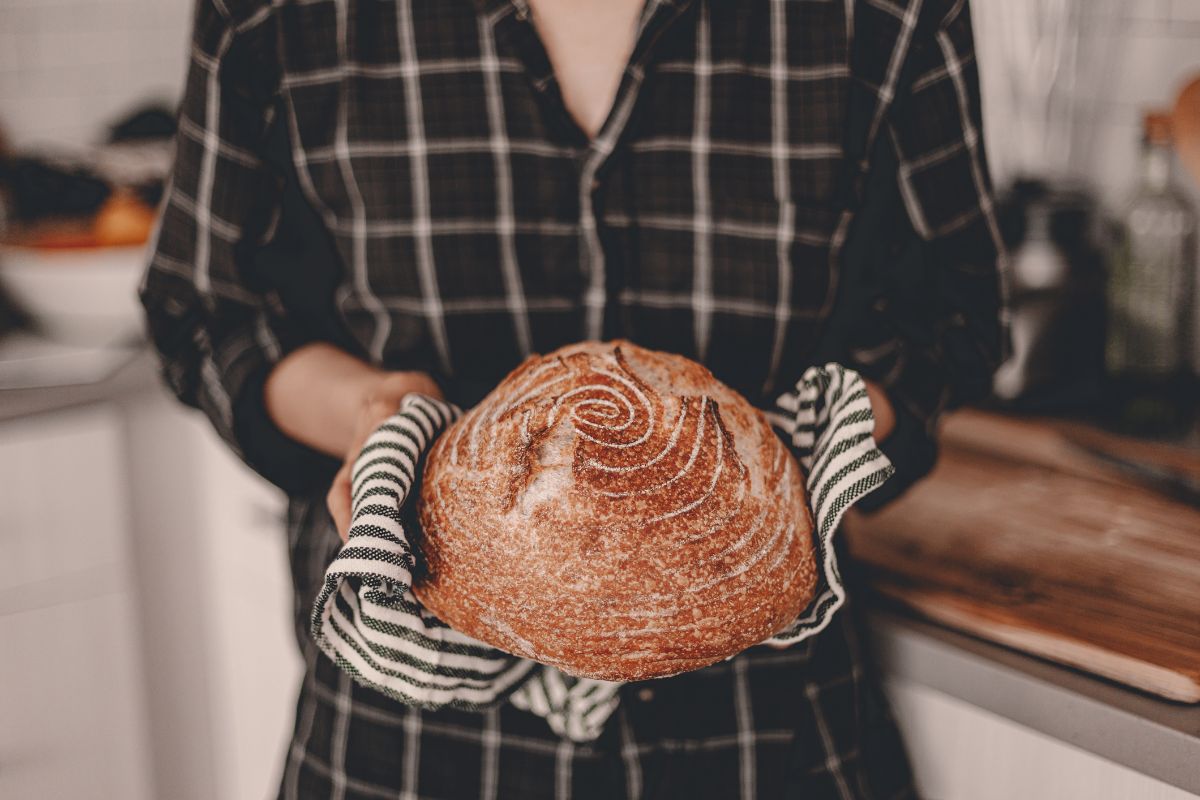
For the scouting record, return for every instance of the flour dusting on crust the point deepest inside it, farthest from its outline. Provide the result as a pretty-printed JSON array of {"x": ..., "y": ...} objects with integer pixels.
[{"x": 615, "y": 512}]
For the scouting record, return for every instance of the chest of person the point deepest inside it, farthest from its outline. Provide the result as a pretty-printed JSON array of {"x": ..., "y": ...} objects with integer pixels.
[
  {"x": 407, "y": 111},
  {"x": 473, "y": 173}
]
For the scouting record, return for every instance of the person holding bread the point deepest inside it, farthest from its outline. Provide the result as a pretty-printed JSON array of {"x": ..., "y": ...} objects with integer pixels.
[{"x": 374, "y": 200}]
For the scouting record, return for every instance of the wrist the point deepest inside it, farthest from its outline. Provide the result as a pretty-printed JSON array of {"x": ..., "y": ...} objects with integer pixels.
[{"x": 314, "y": 395}]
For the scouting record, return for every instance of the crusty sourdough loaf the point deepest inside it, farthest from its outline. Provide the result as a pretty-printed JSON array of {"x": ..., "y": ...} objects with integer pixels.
[{"x": 616, "y": 512}]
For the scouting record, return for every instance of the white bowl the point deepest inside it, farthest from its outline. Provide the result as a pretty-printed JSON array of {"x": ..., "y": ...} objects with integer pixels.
[{"x": 78, "y": 296}]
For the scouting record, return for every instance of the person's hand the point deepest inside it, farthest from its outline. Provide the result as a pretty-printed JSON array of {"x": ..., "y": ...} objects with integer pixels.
[
  {"x": 885, "y": 422},
  {"x": 881, "y": 407},
  {"x": 379, "y": 401},
  {"x": 331, "y": 401}
]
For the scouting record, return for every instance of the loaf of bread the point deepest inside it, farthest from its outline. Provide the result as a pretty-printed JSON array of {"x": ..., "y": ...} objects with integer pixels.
[{"x": 616, "y": 512}]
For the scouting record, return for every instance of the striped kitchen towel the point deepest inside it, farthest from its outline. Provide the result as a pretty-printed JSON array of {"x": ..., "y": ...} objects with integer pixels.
[{"x": 367, "y": 619}]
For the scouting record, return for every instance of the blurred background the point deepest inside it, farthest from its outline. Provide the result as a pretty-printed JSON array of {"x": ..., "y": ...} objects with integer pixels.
[{"x": 145, "y": 627}]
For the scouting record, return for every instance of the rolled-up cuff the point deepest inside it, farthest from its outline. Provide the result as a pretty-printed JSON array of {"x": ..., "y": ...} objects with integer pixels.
[
  {"x": 285, "y": 462},
  {"x": 912, "y": 452}
]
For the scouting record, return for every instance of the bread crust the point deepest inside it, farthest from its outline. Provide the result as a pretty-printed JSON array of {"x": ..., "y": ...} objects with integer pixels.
[{"x": 616, "y": 512}]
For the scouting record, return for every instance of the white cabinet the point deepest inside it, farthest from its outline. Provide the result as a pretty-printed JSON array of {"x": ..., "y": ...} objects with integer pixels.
[
  {"x": 71, "y": 704},
  {"x": 62, "y": 497},
  {"x": 960, "y": 752},
  {"x": 73, "y": 721},
  {"x": 146, "y": 646},
  {"x": 212, "y": 551},
  {"x": 255, "y": 665}
]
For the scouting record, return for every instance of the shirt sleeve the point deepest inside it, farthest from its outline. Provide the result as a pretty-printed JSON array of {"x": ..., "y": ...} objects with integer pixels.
[
  {"x": 217, "y": 329},
  {"x": 935, "y": 332}
]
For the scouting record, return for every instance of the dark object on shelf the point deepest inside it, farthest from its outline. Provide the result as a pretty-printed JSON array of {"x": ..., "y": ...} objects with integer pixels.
[
  {"x": 38, "y": 189},
  {"x": 150, "y": 122},
  {"x": 1054, "y": 236},
  {"x": 150, "y": 192},
  {"x": 12, "y": 317},
  {"x": 1150, "y": 291}
]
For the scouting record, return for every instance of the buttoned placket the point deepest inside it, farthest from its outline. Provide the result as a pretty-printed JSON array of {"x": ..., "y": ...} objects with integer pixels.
[{"x": 656, "y": 18}]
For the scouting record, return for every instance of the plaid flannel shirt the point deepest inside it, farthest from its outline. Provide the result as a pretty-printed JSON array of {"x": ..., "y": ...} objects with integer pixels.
[{"x": 779, "y": 183}]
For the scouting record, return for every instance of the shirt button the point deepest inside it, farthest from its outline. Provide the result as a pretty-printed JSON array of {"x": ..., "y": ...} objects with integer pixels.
[
  {"x": 645, "y": 695},
  {"x": 595, "y": 184}
]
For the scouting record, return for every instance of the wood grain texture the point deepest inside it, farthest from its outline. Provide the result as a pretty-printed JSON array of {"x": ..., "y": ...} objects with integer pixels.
[{"x": 1021, "y": 538}]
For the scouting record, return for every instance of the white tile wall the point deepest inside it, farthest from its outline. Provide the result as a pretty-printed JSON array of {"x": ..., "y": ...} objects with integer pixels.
[
  {"x": 70, "y": 67},
  {"x": 1140, "y": 53},
  {"x": 1185, "y": 11}
]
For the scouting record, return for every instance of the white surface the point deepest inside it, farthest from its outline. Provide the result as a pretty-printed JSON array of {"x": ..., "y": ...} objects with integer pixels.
[
  {"x": 960, "y": 752},
  {"x": 145, "y": 610},
  {"x": 73, "y": 720},
  {"x": 1140, "y": 54},
  {"x": 71, "y": 704},
  {"x": 253, "y": 660},
  {"x": 167, "y": 531},
  {"x": 212, "y": 552},
  {"x": 29, "y": 362},
  {"x": 1185, "y": 10},
  {"x": 78, "y": 296},
  {"x": 62, "y": 508},
  {"x": 68, "y": 68}
]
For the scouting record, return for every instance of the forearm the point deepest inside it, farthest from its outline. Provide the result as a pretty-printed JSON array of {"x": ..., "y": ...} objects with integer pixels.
[
  {"x": 327, "y": 399},
  {"x": 314, "y": 394}
]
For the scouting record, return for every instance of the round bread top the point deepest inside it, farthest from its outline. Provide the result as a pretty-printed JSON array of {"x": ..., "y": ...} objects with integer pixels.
[{"x": 616, "y": 512}]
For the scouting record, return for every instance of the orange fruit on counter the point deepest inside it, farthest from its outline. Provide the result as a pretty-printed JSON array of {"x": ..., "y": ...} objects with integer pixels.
[{"x": 123, "y": 220}]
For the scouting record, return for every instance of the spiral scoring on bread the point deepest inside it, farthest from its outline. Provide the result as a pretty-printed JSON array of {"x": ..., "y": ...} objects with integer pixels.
[
  {"x": 640, "y": 508},
  {"x": 615, "y": 416}
]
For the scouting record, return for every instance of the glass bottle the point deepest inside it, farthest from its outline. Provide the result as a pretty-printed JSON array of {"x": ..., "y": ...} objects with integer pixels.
[{"x": 1150, "y": 298}]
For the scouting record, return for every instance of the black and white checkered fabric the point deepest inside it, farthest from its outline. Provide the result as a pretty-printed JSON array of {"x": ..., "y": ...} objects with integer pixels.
[
  {"x": 806, "y": 722},
  {"x": 460, "y": 220},
  {"x": 367, "y": 619},
  {"x": 475, "y": 223}
]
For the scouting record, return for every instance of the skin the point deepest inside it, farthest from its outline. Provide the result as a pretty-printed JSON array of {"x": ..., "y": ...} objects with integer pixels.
[
  {"x": 330, "y": 400},
  {"x": 588, "y": 43}
]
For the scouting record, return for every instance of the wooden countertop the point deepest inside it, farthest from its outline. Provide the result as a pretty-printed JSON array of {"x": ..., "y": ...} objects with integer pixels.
[{"x": 1024, "y": 536}]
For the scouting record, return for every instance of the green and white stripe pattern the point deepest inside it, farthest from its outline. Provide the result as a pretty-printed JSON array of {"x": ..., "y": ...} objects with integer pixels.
[
  {"x": 367, "y": 619},
  {"x": 829, "y": 423}
]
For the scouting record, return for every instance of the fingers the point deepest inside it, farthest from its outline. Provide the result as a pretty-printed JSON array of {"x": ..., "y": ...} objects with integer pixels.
[
  {"x": 392, "y": 388},
  {"x": 397, "y": 384},
  {"x": 377, "y": 406},
  {"x": 374, "y": 413},
  {"x": 338, "y": 501}
]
